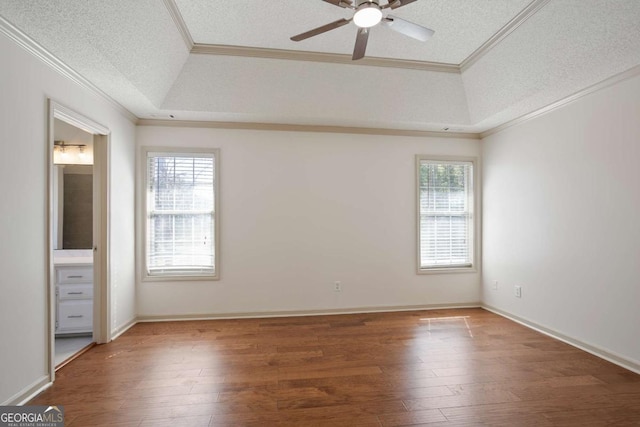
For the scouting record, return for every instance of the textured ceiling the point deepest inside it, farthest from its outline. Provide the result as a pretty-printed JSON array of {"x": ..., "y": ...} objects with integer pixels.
[
  {"x": 504, "y": 58},
  {"x": 564, "y": 48},
  {"x": 461, "y": 26}
]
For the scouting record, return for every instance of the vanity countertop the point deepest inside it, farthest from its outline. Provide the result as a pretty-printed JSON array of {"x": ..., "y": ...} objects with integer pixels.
[{"x": 73, "y": 257}]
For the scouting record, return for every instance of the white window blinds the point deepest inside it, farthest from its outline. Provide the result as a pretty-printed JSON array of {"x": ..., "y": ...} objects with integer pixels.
[
  {"x": 180, "y": 214},
  {"x": 446, "y": 214}
]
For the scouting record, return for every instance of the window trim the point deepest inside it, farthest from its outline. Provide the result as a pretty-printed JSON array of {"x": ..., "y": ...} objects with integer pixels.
[
  {"x": 475, "y": 215},
  {"x": 186, "y": 151}
]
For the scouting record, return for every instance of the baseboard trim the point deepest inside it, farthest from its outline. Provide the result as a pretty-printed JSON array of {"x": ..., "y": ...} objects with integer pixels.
[
  {"x": 43, "y": 383},
  {"x": 29, "y": 392},
  {"x": 296, "y": 313},
  {"x": 609, "y": 356},
  {"x": 123, "y": 328}
]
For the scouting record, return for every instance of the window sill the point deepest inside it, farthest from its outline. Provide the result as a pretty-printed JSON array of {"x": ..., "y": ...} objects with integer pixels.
[
  {"x": 447, "y": 270},
  {"x": 180, "y": 278}
]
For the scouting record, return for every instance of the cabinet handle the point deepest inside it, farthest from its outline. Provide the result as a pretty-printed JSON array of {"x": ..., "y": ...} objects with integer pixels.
[
  {"x": 75, "y": 293},
  {"x": 75, "y": 277},
  {"x": 77, "y": 316}
]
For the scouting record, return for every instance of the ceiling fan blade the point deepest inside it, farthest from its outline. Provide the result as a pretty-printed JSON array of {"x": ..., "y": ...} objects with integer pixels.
[
  {"x": 361, "y": 43},
  {"x": 394, "y": 4},
  {"x": 407, "y": 28},
  {"x": 341, "y": 3},
  {"x": 320, "y": 30}
]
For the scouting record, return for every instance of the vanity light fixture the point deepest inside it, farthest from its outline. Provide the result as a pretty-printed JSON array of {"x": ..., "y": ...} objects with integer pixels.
[
  {"x": 61, "y": 145},
  {"x": 70, "y": 154}
]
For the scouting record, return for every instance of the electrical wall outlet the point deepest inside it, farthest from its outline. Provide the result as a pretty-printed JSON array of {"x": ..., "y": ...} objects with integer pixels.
[
  {"x": 337, "y": 286},
  {"x": 494, "y": 285},
  {"x": 517, "y": 291}
]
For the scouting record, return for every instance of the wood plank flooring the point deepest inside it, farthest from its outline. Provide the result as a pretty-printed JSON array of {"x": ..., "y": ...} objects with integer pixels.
[{"x": 463, "y": 367}]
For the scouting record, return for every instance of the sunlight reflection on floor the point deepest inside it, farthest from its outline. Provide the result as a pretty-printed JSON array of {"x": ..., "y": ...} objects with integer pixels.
[{"x": 441, "y": 319}]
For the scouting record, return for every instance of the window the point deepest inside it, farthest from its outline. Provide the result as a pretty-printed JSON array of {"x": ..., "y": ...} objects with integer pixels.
[
  {"x": 181, "y": 238},
  {"x": 445, "y": 214}
]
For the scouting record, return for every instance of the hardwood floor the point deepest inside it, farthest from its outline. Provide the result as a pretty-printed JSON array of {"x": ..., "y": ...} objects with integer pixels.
[{"x": 464, "y": 367}]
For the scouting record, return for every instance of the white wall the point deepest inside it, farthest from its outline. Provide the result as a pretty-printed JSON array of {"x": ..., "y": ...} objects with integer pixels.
[
  {"x": 25, "y": 84},
  {"x": 302, "y": 210},
  {"x": 561, "y": 218}
]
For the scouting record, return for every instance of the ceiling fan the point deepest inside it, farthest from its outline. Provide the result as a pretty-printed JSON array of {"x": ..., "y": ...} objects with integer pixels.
[{"x": 368, "y": 13}]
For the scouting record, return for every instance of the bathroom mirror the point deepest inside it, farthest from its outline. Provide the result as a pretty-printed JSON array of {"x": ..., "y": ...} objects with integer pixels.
[{"x": 72, "y": 187}]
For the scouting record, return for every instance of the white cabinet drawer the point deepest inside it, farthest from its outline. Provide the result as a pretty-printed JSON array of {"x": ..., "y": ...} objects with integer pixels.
[
  {"x": 74, "y": 311},
  {"x": 79, "y": 291},
  {"x": 75, "y": 275},
  {"x": 75, "y": 316}
]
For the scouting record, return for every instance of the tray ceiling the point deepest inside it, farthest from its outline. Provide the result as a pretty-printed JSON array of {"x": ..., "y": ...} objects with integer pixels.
[
  {"x": 489, "y": 62},
  {"x": 461, "y": 26}
]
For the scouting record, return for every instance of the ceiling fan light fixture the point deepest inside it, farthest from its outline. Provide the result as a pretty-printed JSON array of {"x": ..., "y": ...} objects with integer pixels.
[{"x": 367, "y": 15}]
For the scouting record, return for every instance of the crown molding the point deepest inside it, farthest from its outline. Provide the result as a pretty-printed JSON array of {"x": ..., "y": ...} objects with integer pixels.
[
  {"x": 620, "y": 77},
  {"x": 52, "y": 61},
  {"x": 305, "y": 128},
  {"x": 335, "y": 58},
  {"x": 503, "y": 32},
  {"x": 173, "y": 10}
]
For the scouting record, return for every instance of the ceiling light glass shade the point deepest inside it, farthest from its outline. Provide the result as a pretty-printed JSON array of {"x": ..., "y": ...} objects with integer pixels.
[{"x": 367, "y": 16}]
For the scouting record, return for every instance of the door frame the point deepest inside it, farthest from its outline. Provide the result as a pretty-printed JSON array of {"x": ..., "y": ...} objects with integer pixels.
[{"x": 101, "y": 226}]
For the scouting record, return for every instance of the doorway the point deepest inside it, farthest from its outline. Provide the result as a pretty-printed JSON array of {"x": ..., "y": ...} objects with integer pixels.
[{"x": 78, "y": 235}]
